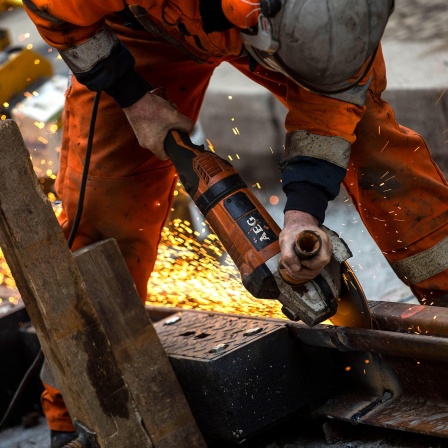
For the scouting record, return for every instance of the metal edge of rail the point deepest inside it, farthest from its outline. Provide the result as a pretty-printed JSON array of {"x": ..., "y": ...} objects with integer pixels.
[{"x": 391, "y": 376}]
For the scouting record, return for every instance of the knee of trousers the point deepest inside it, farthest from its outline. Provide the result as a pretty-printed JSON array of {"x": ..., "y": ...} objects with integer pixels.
[
  {"x": 132, "y": 210},
  {"x": 424, "y": 267}
]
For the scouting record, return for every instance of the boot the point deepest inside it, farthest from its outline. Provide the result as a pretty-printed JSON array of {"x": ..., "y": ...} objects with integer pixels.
[{"x": 59, "y": 438}]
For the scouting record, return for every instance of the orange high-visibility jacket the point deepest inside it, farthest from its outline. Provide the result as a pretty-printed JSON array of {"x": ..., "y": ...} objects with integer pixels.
[{"x": 321, "y": 129}]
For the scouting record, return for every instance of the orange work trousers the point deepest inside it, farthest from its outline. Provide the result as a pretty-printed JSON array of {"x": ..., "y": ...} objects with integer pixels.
[{"x": 399, "y": 192}]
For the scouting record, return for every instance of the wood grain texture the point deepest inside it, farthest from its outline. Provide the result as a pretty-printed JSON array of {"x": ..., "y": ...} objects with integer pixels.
[
  {"x": 87, "y": 352},
  {"x": 137, "y": 348}
]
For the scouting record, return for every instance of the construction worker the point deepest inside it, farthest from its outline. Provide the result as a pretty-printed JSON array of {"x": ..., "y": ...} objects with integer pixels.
[{"x": 321, "y": 59}]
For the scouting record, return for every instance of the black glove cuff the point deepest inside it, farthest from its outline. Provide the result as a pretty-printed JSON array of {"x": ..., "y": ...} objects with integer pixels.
[
  {"x": 129, "y": 89},
  {"x": 307, "y": 198}
]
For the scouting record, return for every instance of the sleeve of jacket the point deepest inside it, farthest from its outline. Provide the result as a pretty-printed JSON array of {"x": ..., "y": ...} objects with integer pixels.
[
  {"x": 317, "y": 148},
  {"x": 88, "y": 46}
]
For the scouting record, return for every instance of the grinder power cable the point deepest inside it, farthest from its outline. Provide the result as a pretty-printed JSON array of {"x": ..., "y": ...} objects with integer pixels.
[{"x": 251, "y": 237}]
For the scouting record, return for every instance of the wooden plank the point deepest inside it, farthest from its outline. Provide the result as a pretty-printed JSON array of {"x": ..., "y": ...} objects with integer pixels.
[
  {"x": 72, "y": 338},
  {"x": 137, "y": 348}
]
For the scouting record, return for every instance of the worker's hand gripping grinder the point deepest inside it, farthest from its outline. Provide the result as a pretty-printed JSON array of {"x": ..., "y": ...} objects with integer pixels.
[{"x": 250, "y": 236}]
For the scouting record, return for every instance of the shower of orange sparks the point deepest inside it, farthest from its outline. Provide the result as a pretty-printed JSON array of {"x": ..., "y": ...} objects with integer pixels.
[
  {"x": 195, "y": 274},
  {"x": 189, "y": 273}
]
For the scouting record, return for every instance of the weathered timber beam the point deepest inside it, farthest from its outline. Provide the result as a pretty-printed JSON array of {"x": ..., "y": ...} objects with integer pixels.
[
  {"x": 70, "y": 330},
  {"x": 136, "y": 346}
]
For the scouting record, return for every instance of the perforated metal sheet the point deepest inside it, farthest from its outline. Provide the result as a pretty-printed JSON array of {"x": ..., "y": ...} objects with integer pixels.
[{"x": 210, "y": 336}]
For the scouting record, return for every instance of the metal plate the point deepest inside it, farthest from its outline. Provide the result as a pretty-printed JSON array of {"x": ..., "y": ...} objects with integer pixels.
[{"x": 242, "y": 375}]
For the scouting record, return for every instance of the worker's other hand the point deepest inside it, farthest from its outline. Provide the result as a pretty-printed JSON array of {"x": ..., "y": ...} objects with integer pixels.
[
  {"x": 302, "y": 270},
  {"x": 152, "y": 117}
]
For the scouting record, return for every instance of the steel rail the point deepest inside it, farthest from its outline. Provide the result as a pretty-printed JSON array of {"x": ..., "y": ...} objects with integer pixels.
[{"x": 391, "y": 376}]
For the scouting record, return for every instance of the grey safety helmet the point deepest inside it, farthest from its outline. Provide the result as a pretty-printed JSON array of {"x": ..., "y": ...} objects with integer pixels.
[{"x": 319, "y": 44}]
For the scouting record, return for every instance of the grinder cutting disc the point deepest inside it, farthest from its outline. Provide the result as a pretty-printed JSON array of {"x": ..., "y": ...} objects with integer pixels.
[{"x": 353, "y": 309}]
